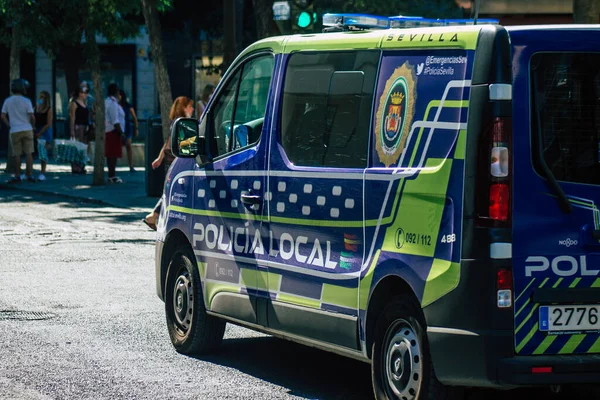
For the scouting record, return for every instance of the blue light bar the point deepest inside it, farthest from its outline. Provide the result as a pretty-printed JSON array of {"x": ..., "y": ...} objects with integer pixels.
[
  {"x": 412, "y": 22},
  {"x": 357, "y": 21},
  {"x": 480, "y": 21},
  {"x": 366, "y": 21}
]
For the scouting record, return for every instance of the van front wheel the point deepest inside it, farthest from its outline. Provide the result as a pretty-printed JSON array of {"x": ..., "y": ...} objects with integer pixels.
[
  {"x": 191, "y": 329},
  {"x": 401, "y": 367}
]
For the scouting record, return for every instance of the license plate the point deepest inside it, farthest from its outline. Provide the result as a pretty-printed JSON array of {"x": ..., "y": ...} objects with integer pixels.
[{"x": 577, "y": 318}]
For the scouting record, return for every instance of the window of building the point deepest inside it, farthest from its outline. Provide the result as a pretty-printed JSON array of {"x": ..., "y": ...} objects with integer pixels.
[
  {"x": 240, "y": 106},
  {"x": 326, "y": 108},
  {"x": 566, "y": 108}
]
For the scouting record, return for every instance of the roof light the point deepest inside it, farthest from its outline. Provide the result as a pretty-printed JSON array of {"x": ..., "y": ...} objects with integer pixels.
[
  {"x": 480, "y": 21},
  {"x": 341, "y": 22},
  {"x": 412, "y": 22},
  {"x": 356, "y": 21}
]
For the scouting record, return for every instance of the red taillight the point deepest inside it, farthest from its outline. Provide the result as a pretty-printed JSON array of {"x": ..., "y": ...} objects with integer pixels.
[
  {"x": 504, "y": 279},
  {"x": 541, "y": 370},
  {"x": 504, "y": 284},
  {"x": 499, "y": 201},
  {"x": 495, "y": 174}
]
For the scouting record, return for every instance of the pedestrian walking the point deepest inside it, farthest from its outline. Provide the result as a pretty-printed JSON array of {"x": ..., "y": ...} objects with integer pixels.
[
  {"x": 18, "y": 116},
  {"x": 43, "y": 130},
  {"x": 182, "y": 107},
  {"x": 79, "y": 116},
  {"x": 131, "y": 126},
  {"x": 115, "y": 120},
  {"x": 207, "y": 93}
]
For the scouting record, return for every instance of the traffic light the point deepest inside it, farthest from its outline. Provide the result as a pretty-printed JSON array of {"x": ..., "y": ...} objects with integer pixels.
[{"x": 303, "y": 16}]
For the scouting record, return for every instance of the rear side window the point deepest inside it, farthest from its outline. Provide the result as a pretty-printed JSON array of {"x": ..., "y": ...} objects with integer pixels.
[
  {"x": 326, "y": 109},
  {"x": 566, "y": 108}
]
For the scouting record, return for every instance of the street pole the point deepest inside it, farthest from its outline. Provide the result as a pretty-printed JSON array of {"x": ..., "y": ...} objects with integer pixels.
[{"x": 230, "y": 21}]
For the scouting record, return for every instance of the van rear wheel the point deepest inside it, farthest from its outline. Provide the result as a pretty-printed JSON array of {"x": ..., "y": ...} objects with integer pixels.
[
  {"x": 401, "y": 367},
  {"x": 191, "y": 329}
]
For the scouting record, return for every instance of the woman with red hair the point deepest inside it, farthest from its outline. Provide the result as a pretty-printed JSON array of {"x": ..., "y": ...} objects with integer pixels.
[{"x": 183, "y": 107}]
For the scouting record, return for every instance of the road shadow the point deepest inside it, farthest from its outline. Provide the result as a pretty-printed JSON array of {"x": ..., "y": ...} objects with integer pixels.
[
  {"x": 93, "y": 210},
  {"x": 315, "y": 374},
  {"x": 304, "y": 371}
]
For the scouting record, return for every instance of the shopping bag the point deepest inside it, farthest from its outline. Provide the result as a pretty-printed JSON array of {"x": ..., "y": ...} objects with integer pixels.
[{"x": 70, "y": 151}]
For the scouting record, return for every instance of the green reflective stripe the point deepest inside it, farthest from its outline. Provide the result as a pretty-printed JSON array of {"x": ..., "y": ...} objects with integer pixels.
[
  {"x": 557, "y": 283},
  {"x": 545, "y": 344},
  {"x": 595, "y": 347},
  {"x": 334, "y": 41},
  {"x": 572, "y": 344},
  {"x": 465, "y": 38},
  {"x": 525, "y": 290},
  {"x": 527, "y": 338},
  {"x": 596, "y": 283},
  {"x": 208, "y": 213},
  {"x": 202, "y": 269},
  {"x": 575, "y": 283},
  {"x": 365, "y": 283},
  {"x": 274, "y": 44},
  {"x": 461, "y": 145},
  {"x": 527, "y": 318},
  {"x": 212, "y": 288},
  {"x": 317, "y": 222},
  {"x": 522, "y": 307},
  {"x": 436, "y": 104},
  {"x": 261, "y": 280},
  {"x": 283, "y": 220},
  {"x": 420, "y": 210},
  {"x": 442, "y": 279},
  {"x": 302, "y": 301},
  {"x": 340, "y": 296}
]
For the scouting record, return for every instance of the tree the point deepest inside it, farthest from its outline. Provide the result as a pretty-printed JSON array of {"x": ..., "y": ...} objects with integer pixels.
[
  {"x": 586, "y": 11},
  {"x": 165, "y": 97},
  {"x": 263, "y": 12}
]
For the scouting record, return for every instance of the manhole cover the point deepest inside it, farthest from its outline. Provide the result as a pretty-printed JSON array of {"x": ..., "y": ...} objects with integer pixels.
[{"x": 25, "y": 315}]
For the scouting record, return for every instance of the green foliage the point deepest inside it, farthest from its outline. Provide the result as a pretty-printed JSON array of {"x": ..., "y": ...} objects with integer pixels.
[{"x": 53, "y": 24}]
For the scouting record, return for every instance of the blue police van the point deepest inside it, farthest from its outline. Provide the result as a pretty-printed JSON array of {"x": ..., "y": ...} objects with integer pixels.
[{"x": 416, "y": 194}]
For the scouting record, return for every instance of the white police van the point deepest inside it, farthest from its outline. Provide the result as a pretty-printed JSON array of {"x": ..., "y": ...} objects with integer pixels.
[{"x": 416, "y": 194}]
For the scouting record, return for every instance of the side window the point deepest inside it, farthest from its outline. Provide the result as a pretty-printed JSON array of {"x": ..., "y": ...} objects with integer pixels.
[
  {"x": 240, "y": 108},
  {"x": 326, "y": 109},
  {"x": 565, "y": 107}
]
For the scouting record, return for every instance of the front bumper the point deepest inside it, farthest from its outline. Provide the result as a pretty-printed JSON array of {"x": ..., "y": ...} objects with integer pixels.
[{"x": 158, "y": 250}]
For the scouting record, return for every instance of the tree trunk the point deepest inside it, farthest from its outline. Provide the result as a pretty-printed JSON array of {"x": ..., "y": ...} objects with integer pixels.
[
  {"x": 93, "y": 56},
  {"x": 72, "y": 61},
  {"x": 161, "y": 74},
  {"x": 15, "y": 73},
  {"x": 230, "y": 42},
  {"x": 263, "y": 16},
  {"x": 586, "y": 11}
]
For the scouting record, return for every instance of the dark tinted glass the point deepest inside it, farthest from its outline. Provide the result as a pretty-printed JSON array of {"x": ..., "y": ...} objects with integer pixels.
[
  {"x": 326, "y": 109},
  {"x": 565, "y": 106}
]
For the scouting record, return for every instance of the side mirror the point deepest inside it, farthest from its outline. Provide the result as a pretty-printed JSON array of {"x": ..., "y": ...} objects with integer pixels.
[{"x": 185, "y": 139}]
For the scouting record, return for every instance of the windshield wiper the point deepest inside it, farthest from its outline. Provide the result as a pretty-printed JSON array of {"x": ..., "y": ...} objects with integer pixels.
[{"x": 563, "y": 201}]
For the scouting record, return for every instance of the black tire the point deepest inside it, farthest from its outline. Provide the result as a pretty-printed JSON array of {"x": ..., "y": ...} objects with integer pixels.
[
  {"x": 401, "y": 368},
  {"x": 191, "y": 330}
]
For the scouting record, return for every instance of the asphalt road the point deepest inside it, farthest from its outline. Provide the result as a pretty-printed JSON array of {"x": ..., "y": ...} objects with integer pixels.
[{"x": 79, "y": 319}]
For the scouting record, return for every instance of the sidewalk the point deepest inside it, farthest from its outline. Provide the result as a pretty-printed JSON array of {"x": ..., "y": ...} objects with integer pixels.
[{"x": 129, "y": 194}]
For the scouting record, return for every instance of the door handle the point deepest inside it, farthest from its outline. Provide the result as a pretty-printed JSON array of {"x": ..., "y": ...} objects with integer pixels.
[{"x": 249, "y": 198}]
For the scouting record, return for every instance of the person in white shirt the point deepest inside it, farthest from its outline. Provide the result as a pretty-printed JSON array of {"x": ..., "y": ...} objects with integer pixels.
[
  {"x": 115, "y": 121},
  {"x": 18, "y": 115}
]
